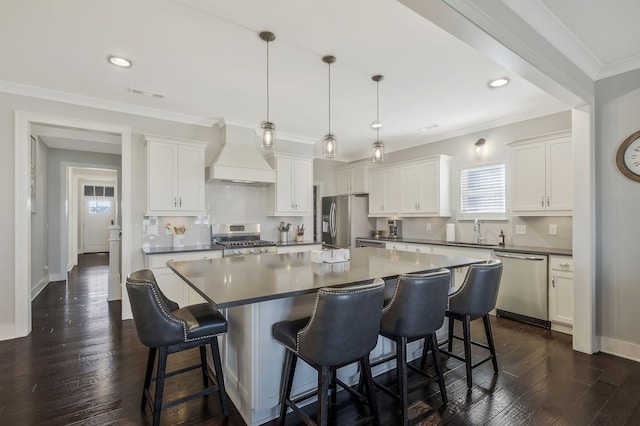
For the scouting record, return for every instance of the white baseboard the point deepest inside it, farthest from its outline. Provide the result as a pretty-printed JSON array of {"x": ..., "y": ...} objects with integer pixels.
[
  {"x": 57, "y": 277},
  {"x": 35, "y": 291},
  {"x": 620, "y": 348}
]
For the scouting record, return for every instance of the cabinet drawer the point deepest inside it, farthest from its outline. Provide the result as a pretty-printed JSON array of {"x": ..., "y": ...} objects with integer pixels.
[
  {"x": 561, "y": 263},
  {"x": 160, "y": 260}
]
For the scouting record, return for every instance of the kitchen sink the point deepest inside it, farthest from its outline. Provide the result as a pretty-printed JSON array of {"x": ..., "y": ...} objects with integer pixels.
[{"x": 460, "y": 243}]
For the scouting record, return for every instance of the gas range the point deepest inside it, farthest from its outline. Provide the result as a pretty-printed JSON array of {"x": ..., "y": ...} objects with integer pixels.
[{"x": 240, "y": 240}]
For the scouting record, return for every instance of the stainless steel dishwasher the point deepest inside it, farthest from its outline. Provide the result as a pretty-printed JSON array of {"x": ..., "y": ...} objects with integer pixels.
[{"x": 523, "y": 293}]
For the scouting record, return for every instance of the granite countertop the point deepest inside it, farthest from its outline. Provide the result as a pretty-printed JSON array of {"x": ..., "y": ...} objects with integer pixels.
[
  {"x": 508, "y": 248},
  {"x": 185, "y": 249},
  {"x": 261, "y": 278}
]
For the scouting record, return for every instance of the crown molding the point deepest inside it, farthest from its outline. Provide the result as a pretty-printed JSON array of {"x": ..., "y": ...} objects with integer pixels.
[
  {"x": 289, "y": 137},
  {"x": 90, "y": 102}
]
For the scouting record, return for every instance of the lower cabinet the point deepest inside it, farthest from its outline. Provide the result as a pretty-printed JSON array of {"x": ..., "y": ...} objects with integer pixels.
[
  {"x": 561, "y": 293},
  {"x": 171, "y": 284}
]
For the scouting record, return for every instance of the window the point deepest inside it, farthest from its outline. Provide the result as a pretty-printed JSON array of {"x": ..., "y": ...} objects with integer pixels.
[
  {"x": 100, "y": 207},
  {"x": 482, "y": 190}
]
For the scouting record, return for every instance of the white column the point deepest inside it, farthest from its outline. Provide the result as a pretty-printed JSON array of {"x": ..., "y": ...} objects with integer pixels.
[{"x": 114, "y": 291}]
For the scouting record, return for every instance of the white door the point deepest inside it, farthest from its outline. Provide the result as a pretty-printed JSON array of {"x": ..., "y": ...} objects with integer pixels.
[{"x": 98, "y": 212}]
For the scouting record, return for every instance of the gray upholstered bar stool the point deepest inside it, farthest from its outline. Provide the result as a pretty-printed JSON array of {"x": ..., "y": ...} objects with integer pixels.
[
  {"x": 167, "y": 331},
  {"x": 415, "y": 311},
  {"x": 474, "y": 299},
  {"x": 342, "y": 329}
]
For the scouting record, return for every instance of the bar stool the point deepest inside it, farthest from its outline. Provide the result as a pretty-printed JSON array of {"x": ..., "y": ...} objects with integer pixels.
[
  {"x": 167, "y": 332},
  {"x": 474, "y": 299},
  {"x": 416, "y": 311},
  {"x": 342, "y": 329}
]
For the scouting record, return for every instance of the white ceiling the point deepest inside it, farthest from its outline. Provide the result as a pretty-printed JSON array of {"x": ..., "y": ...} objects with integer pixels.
[{"x": 205, "y": 58}]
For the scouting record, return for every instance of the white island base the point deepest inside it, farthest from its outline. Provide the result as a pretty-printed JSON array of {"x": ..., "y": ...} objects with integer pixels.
[{"x": 253, "y": 360}]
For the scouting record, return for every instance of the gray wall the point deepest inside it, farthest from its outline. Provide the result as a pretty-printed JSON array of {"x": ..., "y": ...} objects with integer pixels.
[
  {"x": 618, "y": 208},
  {"x": 40, "y": 223},
  {"x": 462, "y": 149}
]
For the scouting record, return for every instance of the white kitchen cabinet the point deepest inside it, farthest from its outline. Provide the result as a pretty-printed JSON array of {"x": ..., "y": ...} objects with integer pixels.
[
  {"x": 174, "y": 287},
  {"x": 299, "y": 248},
  {"x": 292, "y": 193},
  {"x": 561, "y": 293},
  {"x": 541, "y": 176},
  {"x": 383, "y": 192},
  {"x": 424, "y": 187},
  {"x": 352, "y": 180},
  {"x": 175, "y": 177}
]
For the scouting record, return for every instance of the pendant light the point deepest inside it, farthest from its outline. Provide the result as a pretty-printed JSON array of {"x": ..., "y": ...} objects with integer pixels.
[
  {"x": 378, "y": 147},
  {"x": 268, "y": 138},
  {"x": 329, "y": 141}
]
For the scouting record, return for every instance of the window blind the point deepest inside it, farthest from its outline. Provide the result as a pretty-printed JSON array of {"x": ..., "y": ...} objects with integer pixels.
[{"x": 482, "y": 189}]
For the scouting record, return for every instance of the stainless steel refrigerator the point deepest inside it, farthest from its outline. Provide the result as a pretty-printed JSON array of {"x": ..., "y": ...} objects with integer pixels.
[{"x": 345, "y": 217}]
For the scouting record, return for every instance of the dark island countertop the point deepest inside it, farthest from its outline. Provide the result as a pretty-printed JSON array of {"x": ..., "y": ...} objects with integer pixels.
[
  {"x": 508, "y": 248},
  {"x": 235, "y": 281}
]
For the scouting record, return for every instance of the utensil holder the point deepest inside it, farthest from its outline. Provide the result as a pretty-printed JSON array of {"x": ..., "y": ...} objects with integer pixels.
[
  {"x": 299, "y": 238},
  {"x": 178, "y": 240},
  {"x": 284, "y": 237}
]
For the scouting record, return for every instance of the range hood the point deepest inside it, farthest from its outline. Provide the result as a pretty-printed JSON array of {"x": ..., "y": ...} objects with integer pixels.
[{"x": 238, "y": 159}]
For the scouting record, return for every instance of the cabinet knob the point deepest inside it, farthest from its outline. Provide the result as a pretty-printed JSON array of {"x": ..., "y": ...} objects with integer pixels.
[
  {"x": 547, "y": 201},
  {"x": 542, "y": 201},
  {"x": 553, "y": 281}
]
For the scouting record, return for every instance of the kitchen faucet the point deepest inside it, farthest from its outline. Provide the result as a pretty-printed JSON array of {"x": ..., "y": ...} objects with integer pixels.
[{"x": 476, "y": 229}]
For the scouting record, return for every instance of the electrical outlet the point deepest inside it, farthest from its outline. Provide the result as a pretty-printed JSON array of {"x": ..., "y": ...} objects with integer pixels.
[
  {"x": 428, "y": 226},
  {"x": 553, "y": 229},
  {"x": 521, "y": 229}
]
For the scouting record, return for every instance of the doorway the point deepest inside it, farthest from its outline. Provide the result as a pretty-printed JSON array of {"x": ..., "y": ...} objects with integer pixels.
[{"x": 22, "y": 225}]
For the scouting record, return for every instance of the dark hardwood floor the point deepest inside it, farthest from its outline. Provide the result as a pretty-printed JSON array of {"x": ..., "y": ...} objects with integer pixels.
[{"x": 83, "y": 365}]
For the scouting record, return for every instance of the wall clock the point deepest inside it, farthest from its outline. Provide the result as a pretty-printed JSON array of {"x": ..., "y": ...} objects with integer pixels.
[{"x": 628, "y": 157}]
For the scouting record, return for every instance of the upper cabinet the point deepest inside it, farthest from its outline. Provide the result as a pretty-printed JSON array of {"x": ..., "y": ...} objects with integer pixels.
[
  {"x": 352, "y": 180},
  {"x": 383, "y": 192},
  {"x": 292, "y": 193},
  {"x": 175, "y": 177},
  {"x": 424, "y": 187},
  {"x": 541, "y": 176},
  {"x": 411, "y": 189}
]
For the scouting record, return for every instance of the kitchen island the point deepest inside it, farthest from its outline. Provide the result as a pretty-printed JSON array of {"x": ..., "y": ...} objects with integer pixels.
[{"x": 254, "y": 292}]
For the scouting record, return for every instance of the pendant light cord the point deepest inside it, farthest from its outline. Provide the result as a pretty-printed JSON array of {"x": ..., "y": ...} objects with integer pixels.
[
  {"x": 329, "y": 97},
  {"x": 267, "y": 81},
  {"x": 378, "y": 111}
]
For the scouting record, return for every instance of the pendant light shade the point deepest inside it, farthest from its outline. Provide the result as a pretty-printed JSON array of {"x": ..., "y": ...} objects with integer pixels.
[
  {"x": 377, "y": 155},
  {"x": 329, "y": 141},
  {"x": 268, "y": 137}
]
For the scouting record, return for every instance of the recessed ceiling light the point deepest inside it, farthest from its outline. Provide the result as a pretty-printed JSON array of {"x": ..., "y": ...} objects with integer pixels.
[
  {"x": 118, "y": 61},
  {"x": 429, "y": 127},
  {"x": 498, "y": 82},
  {"x": 376, "y": 125}
]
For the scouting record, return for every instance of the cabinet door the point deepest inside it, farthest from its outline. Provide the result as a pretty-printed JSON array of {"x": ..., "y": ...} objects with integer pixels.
[
  {"x": 391, "y": 203},
  {"x": 559, "y": 175},
  {"x": 409, "y": 189},
  {"x": 359, "y": 180},
  {"x": 376, "y": 192},
  {"x": 162, "y": 176},
  {"x": 528, "y": 177},
  {"x": 561, "y": 297},
  {"x": 343, "y": 181},
  {"x": 284, "y": 185},
  {"x": 302, "y": 186},
  {"x": 191, "y": 178},
  {"x": 428, "y": 191}
]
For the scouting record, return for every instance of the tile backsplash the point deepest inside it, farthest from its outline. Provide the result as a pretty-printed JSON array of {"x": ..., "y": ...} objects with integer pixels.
[{"x": 157, "y": 231}]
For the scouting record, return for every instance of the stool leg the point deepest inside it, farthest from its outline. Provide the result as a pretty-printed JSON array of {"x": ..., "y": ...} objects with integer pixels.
[
  {"x": 425, "y": 350},
  {"x": 466, "y": 330},
  {"x": 436, "y": 365},
  {"x": 401, "y": 360},
  {"x": 162, "y": 369},
  {"x": 151, "y": 359},
  {"x": 287, "y": 381},
  {"x": 334, "y": 387},
  {"x": 217, "y": 365},
  {"x": 450, "y": 341},
  {"x": 203, "y": 364},
  {"x": 492, "y": 348},
  {"x": 323, "y": 391},
  {"x": 365, "y": 368}
]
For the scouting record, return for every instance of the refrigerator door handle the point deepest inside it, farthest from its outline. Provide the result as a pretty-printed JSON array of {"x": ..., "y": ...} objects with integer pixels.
[{"x": 332, "y": 221}]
